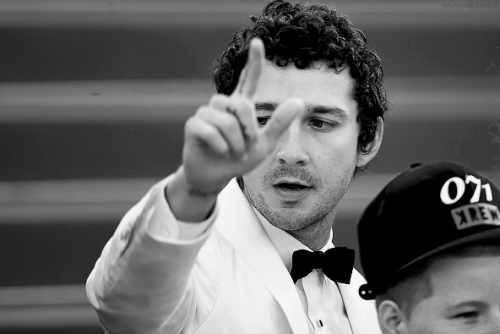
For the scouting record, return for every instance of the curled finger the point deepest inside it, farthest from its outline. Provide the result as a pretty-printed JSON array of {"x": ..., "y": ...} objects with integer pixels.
[
  {"x": 228, "y": 126},
  {"x": 244, "y": 110},
  {"x": 199, "y": 131}
]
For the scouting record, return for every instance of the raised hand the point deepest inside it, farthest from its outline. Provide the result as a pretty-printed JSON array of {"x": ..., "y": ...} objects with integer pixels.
[{"x": 223, "y": 139}]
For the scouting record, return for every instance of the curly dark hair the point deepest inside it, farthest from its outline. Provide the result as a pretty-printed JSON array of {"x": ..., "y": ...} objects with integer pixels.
[{"x": 304, "y": 34}]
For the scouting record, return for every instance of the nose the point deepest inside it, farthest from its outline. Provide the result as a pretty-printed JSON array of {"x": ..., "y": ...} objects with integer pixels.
[{"x": 292, "y": 147}]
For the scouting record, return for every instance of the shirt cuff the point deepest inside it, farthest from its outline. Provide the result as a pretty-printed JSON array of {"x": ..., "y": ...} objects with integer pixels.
[{"x": 163, "y": 226}]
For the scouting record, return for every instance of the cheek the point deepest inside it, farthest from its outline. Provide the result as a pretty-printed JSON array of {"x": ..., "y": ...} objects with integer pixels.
[
  {"x": 348, "y": 137},
  {"x": 425, "y": 319},
  {"x": 343, "y": 139},
  {"x": 430, "y": 326},
  {"x": 251, "y": 178},
  {"x": 339, "y": 149},
  {"x": 419, "y": 325}
]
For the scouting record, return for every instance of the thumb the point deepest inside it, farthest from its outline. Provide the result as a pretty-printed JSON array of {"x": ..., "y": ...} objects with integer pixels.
[{"x": 282, "y": 117}]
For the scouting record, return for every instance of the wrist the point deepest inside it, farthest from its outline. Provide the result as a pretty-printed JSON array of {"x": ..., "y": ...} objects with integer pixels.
[
  {"x": 188, "y": 203},
  {"x": 197, "y": 188}
]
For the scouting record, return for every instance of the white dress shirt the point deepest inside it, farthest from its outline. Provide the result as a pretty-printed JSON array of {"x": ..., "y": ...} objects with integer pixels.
[{"x": 320, "y": 297}]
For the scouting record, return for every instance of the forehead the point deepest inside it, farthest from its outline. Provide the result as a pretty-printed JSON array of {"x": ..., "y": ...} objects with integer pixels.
[
  {"x": 318, "y": 84},
  {"x": 459, "y": 279}
]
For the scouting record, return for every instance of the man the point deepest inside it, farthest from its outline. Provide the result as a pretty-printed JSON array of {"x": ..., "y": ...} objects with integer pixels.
[
  {"x": 430, "y": 250},
  {"x": 204, "y": 253}
]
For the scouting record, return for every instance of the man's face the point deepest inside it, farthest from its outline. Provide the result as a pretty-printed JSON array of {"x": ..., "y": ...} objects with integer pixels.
[
  {"x": 465, "y": 298},
  {"x": 313, "y": 163}
]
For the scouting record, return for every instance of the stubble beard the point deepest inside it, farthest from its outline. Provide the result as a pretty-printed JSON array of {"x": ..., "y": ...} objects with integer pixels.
[{"x": 289, "y": 219}]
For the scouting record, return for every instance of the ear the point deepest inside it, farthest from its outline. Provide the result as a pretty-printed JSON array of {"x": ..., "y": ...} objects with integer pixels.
[
  {"x": 373, "y": 147},
  {"x": 391, "y": 318}
]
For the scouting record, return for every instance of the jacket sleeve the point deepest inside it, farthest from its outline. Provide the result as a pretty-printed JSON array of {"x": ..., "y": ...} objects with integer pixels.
[{"x": 149, "y": 283}]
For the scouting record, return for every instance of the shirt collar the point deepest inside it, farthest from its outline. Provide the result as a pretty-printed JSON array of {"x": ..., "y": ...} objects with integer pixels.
[{"x": 284, "y": 243}]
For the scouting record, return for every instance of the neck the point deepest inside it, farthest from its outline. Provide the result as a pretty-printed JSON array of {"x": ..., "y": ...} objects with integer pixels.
[{"x": 317, "y": 235}]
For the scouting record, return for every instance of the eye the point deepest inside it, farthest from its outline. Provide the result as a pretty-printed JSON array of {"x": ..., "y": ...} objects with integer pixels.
[
  {"x": 320, "y": 124},
  {"x": 468, "y": 315},
  {"x": 262, "y": 120}
]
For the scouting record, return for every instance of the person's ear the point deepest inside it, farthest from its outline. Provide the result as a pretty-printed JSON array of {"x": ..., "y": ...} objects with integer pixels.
[
  {"x": 372, "y": 148},
  {"x": 391, "y": 318}
]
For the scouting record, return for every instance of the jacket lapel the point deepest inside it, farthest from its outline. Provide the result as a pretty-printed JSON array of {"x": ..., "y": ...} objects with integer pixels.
[
  {"x": 238, "y": 223},
  {"x": 361, "y": 313}
]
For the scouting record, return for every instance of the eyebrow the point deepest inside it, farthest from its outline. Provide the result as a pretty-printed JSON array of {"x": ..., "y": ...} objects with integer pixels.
[
  {"x": 471, "y": 303},
  {"x": 266, "y": 106},
  {"x": 311, "y": 109}
]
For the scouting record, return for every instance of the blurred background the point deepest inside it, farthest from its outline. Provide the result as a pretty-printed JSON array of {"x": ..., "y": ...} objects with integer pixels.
[{"x": 94, "y": 95}]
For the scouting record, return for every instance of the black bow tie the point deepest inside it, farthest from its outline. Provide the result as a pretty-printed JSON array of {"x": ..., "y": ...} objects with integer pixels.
[{"x": 336, "y": 263}]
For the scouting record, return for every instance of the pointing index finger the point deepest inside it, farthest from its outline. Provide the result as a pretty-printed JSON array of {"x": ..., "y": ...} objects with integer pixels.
[
  {"x": 250, "y": 75},
  {"x": 282, "y": 117}
]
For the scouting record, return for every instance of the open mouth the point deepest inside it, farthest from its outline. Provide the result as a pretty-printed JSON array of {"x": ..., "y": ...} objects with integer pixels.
[{"x": 290, "y": 186}]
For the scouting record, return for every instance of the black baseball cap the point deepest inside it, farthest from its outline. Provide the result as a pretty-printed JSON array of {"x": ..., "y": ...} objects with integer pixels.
[{"x": 427, "y": 209}]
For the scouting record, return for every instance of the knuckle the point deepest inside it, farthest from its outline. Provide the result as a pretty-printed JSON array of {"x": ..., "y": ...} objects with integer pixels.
[
  {"x": 190, "y": 124},
  {"x": 201, "y": 111},
  {"x": 218, "y": 101},
  {"x": 195, "y": 128}
]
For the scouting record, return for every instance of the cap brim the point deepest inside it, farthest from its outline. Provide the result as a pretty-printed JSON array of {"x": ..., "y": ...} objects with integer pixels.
[
  {"x": 369, "y": 292},
  {"x": 480, "y": 236}
]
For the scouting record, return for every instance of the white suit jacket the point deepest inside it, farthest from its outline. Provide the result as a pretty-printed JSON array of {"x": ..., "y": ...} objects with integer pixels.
[{"x": 229, "y": 280}]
